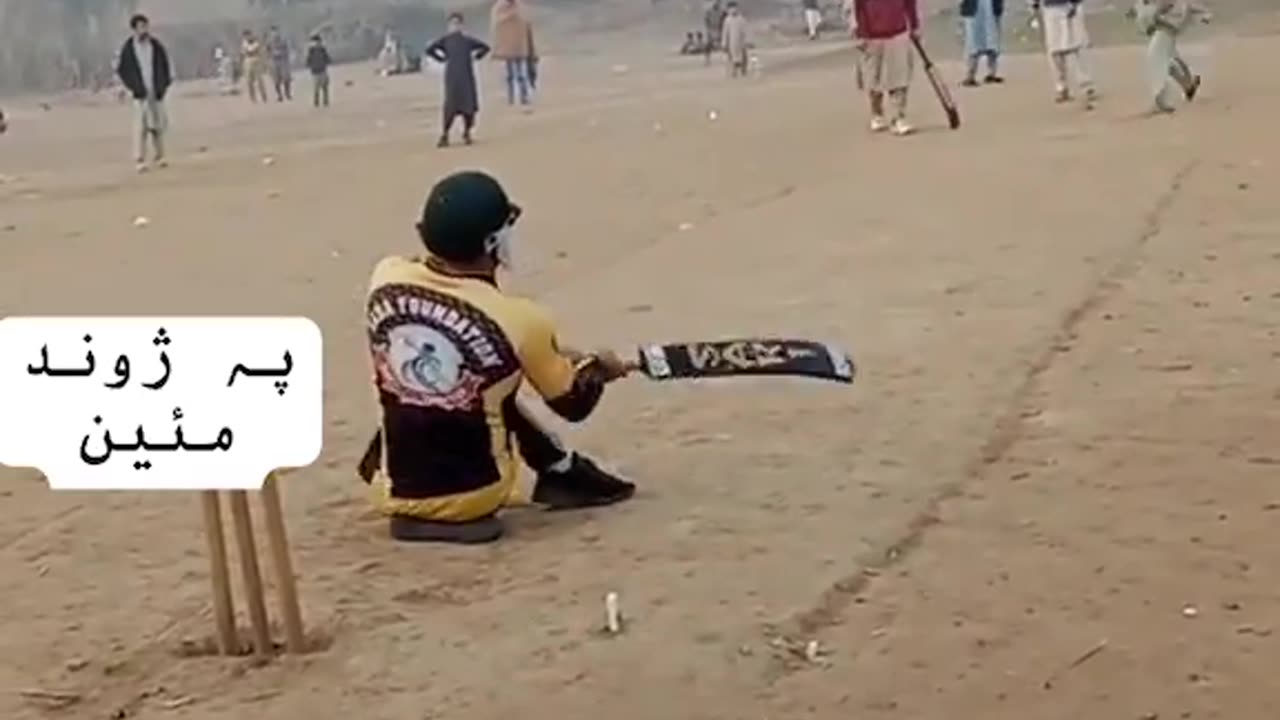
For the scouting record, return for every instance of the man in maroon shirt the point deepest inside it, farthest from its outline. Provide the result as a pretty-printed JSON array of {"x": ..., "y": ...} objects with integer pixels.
[{"x": 883, "y": 30}]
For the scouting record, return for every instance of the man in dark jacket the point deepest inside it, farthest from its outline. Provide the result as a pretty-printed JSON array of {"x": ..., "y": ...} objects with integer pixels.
[{"x": 145, "y": 72}]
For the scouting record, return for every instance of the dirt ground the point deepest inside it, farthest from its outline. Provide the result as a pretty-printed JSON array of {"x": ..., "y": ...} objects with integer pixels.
[{"x": 1063, "y": 436}]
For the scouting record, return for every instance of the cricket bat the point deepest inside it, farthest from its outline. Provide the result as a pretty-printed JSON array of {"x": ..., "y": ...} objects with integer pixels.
[
  {"x": 939, "y": 86},
  {"x": 746, "y": 357},
  {"x": 859, "y": 58}
]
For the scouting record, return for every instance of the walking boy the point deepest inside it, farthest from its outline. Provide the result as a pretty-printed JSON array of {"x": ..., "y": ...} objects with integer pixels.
[
  {"x": 318, "y": 62},
  {"x": 812, "y": 18},
  {"x": 510, "y": 34},
  {"x": 883, "y": 29},
  {"x": 145, "y": 72},
  {"x": 253, "y": 66},
  {"x": 1065, "y": 39},
  {"x": 281, "y": 65},
  {"x": 1164, "y": 21},
  {"x": 458, "y": 51}
]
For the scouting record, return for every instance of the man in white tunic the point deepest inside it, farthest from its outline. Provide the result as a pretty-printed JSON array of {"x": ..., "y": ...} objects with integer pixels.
[
  {"x": 1066, "y": 39},
  {"x": 1164, "y": 21},
  {"x": 145, "y": 72}
]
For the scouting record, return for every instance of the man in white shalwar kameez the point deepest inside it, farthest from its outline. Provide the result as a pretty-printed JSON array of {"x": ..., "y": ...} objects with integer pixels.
[
  {"x": 1065, "y": 40},
  {"x": 1164, "y": 21}
]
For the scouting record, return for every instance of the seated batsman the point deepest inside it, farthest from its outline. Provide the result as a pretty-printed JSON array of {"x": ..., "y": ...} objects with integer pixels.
[{"x": 450, "y": 351}]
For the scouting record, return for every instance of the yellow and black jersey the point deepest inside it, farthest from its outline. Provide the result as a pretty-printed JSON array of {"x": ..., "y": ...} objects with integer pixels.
[{"x": 449, "y": 354}]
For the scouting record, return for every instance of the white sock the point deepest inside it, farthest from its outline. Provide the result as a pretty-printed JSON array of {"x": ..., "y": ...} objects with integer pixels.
[{"x": 563, "y": 464}]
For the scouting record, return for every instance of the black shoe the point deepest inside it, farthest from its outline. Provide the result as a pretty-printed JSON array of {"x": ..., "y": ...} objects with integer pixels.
[
  {"x": 583, "y": 485},
  {"x": 1193, "y": 88},
  {"x": 475, "y": 532},
  {"x": 466, "y": 138},
  {"x": 969, "y": 82},
  {"x": 443, "y": 142},
  {"x": 993, "y": 79}
]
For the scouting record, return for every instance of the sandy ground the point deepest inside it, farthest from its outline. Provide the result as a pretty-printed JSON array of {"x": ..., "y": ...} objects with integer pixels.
[{"x": 1063, "y": 433}]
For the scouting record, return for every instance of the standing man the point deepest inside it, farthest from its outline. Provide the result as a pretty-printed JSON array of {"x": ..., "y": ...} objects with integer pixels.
[
  {"x": 982, "y": 38},
  {"x": 883, "y": 30},
  {"x": 318, "y": 62},
  {"x": 713, "y": 18},
  {"x": 734, "y": 41},
  {"x": 281, "y": 64},
  {"x": 458, "y": 51},
  {"x": 450, "y": 351},
  {"x": 225, "y": 70},
  {"x": 145, "y": 72},
  {"x": 253, "y": 65},
  {"x": 510, "y": 34},
  {"x": 1164, "y": 21},
  {"x": 1065, "y": 39},
  {"x": 812, "y": 18}
]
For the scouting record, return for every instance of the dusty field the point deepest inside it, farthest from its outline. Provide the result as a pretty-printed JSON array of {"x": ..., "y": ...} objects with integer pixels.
[{"x": 1063, "y": 432}]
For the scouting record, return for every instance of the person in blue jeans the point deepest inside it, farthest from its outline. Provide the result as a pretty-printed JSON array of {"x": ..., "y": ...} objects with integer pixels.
[{"x": 512, "y": 37}]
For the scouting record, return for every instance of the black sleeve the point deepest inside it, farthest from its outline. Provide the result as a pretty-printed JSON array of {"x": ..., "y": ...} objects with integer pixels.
[
  {"x": 127, "y": 68},
  {"x": 436, "y": 51},
  {"x": 582, "y": 398},
  {"x": 479, "y": 48},
  {"x": 164, "y": 75}
]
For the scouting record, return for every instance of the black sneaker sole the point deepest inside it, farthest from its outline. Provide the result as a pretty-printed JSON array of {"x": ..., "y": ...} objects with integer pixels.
[
  {"x": 475, "y": 532},
  {"x": 559, "y": 499}
]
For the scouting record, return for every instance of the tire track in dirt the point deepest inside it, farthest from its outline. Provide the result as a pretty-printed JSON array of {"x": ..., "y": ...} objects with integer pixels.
[{"x": 1005, "y": 434}]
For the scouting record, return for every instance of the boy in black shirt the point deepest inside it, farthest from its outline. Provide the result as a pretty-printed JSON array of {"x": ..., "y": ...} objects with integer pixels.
[{"x": 318, "y": 62}]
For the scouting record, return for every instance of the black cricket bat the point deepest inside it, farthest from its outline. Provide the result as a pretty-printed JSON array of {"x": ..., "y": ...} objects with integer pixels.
[
  {"x": 939, "y": 86},
  {"x": 746, "y": 357}
]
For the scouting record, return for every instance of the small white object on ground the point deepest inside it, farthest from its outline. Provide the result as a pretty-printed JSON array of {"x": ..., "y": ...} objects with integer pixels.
[
  {"x": 620, "y": 69},
  {"x": 1190, "y": 611},
  {"x": 685, "y": 226},
  {"x": 713, "y": 115},
  {"x": 657, "y": 127},
  {"x": 268, "y": 161},
  {"x": 612, "y": 614},
  {"x": 812, "y": 652},
  {"x": 141, "y": 221}
]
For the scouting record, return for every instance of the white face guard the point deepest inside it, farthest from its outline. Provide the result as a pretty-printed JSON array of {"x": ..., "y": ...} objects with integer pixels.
[{"x": 500, "y": 243}]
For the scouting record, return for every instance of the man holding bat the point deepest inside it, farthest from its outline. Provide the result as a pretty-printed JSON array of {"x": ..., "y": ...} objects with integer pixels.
[
  {"x": 883, "y": 30},
  {"x": 450, "y": 350}
]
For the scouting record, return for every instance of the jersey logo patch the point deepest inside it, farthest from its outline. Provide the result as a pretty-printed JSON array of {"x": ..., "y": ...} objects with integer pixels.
[
  {"x": 432, "y": 350},
  {"x": 424, "y": 367}
]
